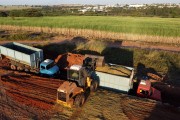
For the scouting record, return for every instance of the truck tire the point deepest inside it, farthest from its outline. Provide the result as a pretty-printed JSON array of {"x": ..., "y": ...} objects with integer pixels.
[
  {"x": 19, "y": 68},
  {"x": 94, "y": 86},
  {"x": 79, "y": 100},
  {"x": 13, "y": 67},
  {"x": 26, "y": 70}
]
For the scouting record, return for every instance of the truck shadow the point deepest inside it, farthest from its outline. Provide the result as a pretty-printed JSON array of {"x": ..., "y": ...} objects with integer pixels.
[
  {"x": 79, "y": 39},
  {"x": 119, "y": 56},
  {"x": 52, "y": 50},
  {"x": 83, "y": 52},
  {"x": 173, "y": 74}
]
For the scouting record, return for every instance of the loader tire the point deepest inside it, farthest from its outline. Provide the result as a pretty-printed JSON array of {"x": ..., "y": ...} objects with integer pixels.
[
  {"x": 94, "y": 86},
  {"x": 79, "y": 100}
]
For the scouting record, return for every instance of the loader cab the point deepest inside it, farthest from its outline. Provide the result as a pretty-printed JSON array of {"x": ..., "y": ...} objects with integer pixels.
[
  {"x": 78, "y": 74},
  {"x": 48, "y": 67},
  {"x": 64, "y": 91},
  {"x": 67, "y": 92}
]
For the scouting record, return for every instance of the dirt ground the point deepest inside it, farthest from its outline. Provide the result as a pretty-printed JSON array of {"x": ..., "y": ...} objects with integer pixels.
[{"x": 28, "y": 96}]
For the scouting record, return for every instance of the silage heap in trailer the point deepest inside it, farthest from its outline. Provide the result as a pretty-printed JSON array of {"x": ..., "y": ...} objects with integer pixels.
[{"x": 115, "y": 77}]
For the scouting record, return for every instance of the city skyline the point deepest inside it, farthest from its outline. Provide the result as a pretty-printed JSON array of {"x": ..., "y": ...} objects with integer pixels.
[{"x": 57, "y": 2}]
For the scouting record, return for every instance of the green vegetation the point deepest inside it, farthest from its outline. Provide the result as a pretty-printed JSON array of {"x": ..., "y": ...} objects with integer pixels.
[
  {"x": 159, "y": 10},
  {"x": 95, "y": 46},
  {"x": 7, "y": 35},
  {"x": 147, "y": 11},
  {"x": 25, "y": 13},
  {"x": 3, "y": 14},
  {"x": 135, "y": 25}
]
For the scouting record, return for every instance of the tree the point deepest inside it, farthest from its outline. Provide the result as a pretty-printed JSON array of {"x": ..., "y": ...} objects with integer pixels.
[{"x": 3, "y": 14}]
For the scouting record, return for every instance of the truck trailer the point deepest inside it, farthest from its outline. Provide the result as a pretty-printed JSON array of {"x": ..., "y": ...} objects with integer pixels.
[
  {"x": 115, "y": 77},
  {"x": 27, "y": 58}
]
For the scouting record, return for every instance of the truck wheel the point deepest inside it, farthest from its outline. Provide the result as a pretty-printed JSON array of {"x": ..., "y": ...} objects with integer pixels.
[
  {"x": 19, "y": 68},
  {"x": 13, "y": 67},
  {"x": 94, "y": 86},
  {"x": 79, "y": 100},
  {"x": 26, "y": 70}
]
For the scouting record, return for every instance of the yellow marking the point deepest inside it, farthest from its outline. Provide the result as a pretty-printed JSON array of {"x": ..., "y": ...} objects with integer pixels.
[
  {"x": 88, "y": 82},
  {"x": 63, "y": 103}
]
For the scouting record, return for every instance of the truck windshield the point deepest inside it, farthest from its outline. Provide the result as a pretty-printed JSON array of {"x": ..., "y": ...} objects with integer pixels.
[
  {"x": 62, "y": 96},
  {"x": 42, "y": 67},
  {"x": 73, "y": 74},
  {"x": 50, "y": 65}
]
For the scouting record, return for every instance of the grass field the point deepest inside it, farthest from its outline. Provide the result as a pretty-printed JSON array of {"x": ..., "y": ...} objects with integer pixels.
[{"x": 136, "y": 25}]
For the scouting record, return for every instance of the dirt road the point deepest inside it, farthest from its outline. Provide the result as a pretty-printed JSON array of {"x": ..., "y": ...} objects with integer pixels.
[{"x": 118, "y": 44}]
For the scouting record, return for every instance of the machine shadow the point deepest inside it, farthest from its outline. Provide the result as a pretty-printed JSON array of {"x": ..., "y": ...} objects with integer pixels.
[{"x": 118, "y": 56}]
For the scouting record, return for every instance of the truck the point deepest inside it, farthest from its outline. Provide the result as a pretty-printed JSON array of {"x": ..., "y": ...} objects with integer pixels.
[
  {"x": 27, "y": 58},
  {"x": 146, "y": 90}
]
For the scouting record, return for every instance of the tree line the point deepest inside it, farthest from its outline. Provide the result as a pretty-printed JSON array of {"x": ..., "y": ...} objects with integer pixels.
[{"x": 150, "y": 11}]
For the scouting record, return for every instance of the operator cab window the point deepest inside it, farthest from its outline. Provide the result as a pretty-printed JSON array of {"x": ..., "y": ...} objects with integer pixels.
[
  {"x": 42, "y": 67},
  {"x": 74, "y": 74},
  {"x": 62, "y": 96},
  {"x": 50, "y": 66}
]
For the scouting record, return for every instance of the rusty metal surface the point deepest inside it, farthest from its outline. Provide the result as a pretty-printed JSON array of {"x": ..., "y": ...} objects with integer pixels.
[{"x": 99, "y": 59}]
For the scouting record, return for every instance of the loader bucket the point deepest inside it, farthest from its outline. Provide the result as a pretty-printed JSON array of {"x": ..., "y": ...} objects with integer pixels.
[{"x": 100, "y": 62}]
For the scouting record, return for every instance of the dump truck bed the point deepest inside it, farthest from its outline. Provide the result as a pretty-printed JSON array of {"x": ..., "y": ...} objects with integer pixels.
[
  {"x": 22, "y": 53},
  {"x": 115, "y": 70},
  {"x": 115, "y": 77}
]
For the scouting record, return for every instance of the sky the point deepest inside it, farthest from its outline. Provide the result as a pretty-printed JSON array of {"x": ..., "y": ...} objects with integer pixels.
[{"x": 57, "y": 2}]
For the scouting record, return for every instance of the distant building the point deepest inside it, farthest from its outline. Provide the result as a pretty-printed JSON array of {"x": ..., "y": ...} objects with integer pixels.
[
  {"x": 95, "y": 8},
  {"x": 99, "y": 8},
  {"x": 136, "y": 5},
  {"x": 83, "y": 10}
]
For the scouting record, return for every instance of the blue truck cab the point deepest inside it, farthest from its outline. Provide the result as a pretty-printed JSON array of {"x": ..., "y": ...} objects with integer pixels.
[{"x": 48, "y": 67}]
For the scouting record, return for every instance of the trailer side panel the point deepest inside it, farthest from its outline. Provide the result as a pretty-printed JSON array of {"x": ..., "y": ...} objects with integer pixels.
[
  {"x": 22, "y": 53},
  {"x": 116, "y": 82}
]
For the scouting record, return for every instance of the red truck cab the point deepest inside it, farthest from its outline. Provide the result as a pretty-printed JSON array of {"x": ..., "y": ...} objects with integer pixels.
[{"x": 145, "y": 90}]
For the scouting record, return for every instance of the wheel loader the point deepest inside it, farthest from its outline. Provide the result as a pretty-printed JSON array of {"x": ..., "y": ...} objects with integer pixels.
[{"x": 79, "y": 81}]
